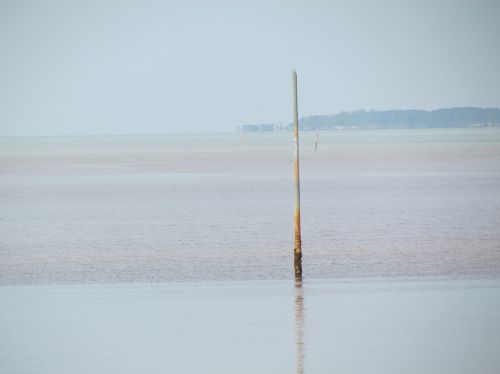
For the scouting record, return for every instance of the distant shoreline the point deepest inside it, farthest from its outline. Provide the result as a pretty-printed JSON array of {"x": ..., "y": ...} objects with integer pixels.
[{"x": 467, "y": 117}]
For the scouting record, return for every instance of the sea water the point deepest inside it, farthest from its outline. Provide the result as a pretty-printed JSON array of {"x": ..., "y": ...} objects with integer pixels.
[
  {"x": 325, "y": 326},
  {"x": 174, "y": 253},
  {"x": 380, "y": 203}
]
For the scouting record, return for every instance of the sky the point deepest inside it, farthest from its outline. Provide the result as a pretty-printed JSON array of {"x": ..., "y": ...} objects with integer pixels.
[{"x": 143, "y": 67}]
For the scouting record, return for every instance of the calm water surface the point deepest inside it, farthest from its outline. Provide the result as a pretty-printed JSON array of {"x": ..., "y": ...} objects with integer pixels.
[
  {"x": 174, "y": 254},
  {"x": 220, "y": 207},
  {"x": 328, "y": 326}
]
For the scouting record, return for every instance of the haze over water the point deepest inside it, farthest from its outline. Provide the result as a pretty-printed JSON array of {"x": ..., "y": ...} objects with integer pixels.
[{"x": 406, "y": 203}]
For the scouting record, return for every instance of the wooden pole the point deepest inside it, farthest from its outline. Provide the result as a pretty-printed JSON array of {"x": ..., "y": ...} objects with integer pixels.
[{"x": 297, "y": 251}]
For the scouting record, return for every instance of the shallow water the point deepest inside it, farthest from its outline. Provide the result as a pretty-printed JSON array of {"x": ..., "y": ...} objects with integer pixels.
[
  {"x": 400, "y": 239},
  {"x": 411, "y": 203},
  {"x": 326, "y": 326}
]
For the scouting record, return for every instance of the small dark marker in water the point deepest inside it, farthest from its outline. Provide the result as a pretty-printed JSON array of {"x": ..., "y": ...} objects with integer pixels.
[{"x": 317, "y": 135}]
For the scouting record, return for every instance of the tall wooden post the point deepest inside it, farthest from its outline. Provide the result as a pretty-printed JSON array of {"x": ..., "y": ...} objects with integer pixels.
[{"x": 297, "y": 250}]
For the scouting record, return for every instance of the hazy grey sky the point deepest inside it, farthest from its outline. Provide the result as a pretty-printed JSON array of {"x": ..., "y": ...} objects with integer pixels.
[{"x": 87, "y": 67}]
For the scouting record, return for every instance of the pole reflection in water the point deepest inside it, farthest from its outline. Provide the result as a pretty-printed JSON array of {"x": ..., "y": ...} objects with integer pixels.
[{"x": 299, "y": 325}]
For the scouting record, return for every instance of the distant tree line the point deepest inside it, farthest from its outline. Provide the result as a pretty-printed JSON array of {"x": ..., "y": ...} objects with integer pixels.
[{"x": 392, "y": 119}]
